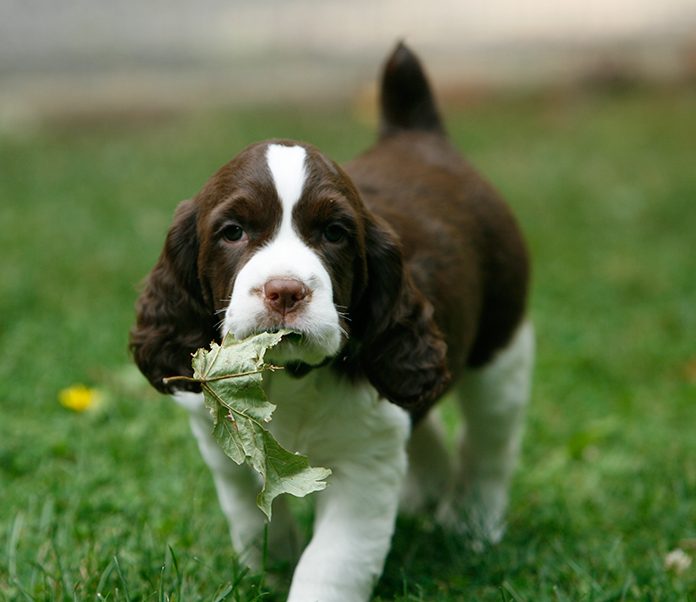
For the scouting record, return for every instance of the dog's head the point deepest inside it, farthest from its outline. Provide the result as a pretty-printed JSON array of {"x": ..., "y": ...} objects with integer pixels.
[{"x": 280, "y": 238}]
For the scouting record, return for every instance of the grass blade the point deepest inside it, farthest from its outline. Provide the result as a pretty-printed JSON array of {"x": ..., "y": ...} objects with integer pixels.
[
  {"x": 103, "y": 579},
  {"x": 177, "y": 572},
  {"x": 12, "y": 544},
  {"x": 122, "y": 579},
  {"x": 227, "y": 590}
]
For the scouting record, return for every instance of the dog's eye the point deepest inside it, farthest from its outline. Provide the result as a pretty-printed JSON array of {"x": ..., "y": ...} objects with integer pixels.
[
  {"x": 233, "y": 233},
  {"x": 334, "y": 233}
]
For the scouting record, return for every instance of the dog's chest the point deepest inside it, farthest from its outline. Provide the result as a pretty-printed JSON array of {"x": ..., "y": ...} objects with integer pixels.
[{"x": 331, "y": 419}]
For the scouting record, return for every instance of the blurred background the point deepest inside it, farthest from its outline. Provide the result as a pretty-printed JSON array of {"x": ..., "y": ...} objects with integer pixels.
[
  {"x": 81, "y": 55},
  {"x": 582, "y": 113}
]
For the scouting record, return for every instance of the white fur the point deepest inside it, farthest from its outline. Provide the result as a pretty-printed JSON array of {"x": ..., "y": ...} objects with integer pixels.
[
  {"x": 287, "y": 167},
  {"x": 287, "y": 256},
  {"x": 493, "y": 400},
  {"x": 430, "y": 467},
  {"x": 363, "y": 440}
]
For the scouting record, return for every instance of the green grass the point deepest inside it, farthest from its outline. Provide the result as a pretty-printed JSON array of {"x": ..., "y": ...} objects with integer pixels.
[{"x": 117, "y": 504}]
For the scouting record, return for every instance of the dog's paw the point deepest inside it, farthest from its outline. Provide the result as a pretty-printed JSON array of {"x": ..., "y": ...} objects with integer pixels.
[{"x": 478, "y": 514}]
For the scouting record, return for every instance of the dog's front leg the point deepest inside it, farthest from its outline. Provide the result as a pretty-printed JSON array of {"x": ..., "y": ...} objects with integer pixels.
[
  {"x": 352, "y": 532},
  {"x": 237, "y": 487}
]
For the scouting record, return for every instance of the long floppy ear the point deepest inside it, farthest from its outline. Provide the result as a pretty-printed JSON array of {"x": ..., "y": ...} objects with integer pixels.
[
  {"x": 173, "y": 319},
  {"x": 402, "y": 351}
]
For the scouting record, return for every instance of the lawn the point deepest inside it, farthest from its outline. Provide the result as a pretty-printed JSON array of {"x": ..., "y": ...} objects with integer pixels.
[{"x": 116, "y": 504}]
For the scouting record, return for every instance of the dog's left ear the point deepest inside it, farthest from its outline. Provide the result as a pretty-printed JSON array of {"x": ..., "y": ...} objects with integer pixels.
[
  {"x": 173, "y": 317},
  {"x": 401, "y": 350}
]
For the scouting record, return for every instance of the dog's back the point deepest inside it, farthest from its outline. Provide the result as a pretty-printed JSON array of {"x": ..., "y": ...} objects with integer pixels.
[{"x": 459, "y": 241}]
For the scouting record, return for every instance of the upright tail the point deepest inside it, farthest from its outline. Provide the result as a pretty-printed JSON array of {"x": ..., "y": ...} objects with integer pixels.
[{"x": 407, "y": 102}]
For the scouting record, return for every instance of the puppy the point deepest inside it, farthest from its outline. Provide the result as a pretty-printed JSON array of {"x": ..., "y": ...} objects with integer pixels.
[{"x": 406, "y": 276}]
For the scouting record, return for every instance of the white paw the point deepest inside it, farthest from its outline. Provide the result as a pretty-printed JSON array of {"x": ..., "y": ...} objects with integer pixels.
[{"x": 478, "y": 514}]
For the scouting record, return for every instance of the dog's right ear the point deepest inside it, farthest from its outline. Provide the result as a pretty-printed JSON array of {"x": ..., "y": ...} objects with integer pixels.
[
  {"x": 173, "y": 317},
  {"x": 402, "y": 351}
]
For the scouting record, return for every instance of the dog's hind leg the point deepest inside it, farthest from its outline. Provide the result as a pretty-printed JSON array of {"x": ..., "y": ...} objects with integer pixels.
[
  {"x": 493, "y": 401},
  {"x": 430, "y": 468}
]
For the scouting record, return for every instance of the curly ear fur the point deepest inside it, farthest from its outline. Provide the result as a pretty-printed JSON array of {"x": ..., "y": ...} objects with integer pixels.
[
  {"x": 172, "y": 315},
  {"x": 403, "y": 352}
]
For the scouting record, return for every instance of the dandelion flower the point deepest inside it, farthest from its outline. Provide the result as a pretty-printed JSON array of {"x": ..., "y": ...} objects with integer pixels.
[
  {"x": 79, "y": 398},
  {"x": 677, "y": 561}
]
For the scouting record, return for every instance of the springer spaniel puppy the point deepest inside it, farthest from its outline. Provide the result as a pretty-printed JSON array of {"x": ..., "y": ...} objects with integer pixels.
[{"x": 406, "y": 276}]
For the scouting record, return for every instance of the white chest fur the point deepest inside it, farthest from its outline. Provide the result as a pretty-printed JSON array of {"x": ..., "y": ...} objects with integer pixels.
[
  {"x": 332, "y": 420},
  {"x": 325, "y": 417}
]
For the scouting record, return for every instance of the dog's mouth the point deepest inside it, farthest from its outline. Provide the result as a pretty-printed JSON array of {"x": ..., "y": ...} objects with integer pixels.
[
  {"x": 290, "y": 336},
  {"x": 296, "y": 348}
]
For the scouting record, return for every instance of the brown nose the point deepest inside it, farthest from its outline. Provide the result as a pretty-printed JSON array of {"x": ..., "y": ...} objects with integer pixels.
[{"x": 283, "y": 295}]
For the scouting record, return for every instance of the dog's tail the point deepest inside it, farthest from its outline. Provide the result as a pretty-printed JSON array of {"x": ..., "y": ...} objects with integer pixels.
[{"x": 407, "y": 102}]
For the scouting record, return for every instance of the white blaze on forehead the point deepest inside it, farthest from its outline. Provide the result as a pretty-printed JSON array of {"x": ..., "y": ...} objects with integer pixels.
[
  {"x": 286, "y": 255},
  {"x": 287, "y": 167}
]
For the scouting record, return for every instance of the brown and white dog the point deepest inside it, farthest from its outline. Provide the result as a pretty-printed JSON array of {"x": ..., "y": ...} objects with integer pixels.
[{"x": 406, "y": 277}]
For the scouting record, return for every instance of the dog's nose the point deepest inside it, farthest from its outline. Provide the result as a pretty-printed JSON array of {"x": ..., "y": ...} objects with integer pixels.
[{"x": 283, "y": 295}]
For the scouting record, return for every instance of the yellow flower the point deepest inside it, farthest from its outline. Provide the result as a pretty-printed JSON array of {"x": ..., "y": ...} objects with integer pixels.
[{"x": 79, "y": 398}]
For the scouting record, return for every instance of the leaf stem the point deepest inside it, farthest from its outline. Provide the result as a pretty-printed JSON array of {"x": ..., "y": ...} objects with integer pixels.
[{"x": 191, "y": 379}]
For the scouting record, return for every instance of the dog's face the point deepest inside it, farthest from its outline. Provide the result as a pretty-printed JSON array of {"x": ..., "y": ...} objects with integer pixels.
[
  {"x": 280, "y": 238},
  {"x": 283, "y": 246}
]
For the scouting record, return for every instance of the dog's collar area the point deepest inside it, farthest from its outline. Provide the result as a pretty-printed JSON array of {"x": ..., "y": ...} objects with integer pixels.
[{"x": 300, "y": 369}]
